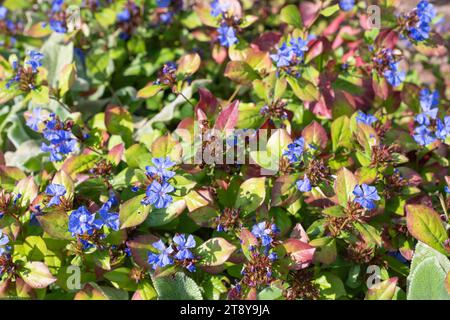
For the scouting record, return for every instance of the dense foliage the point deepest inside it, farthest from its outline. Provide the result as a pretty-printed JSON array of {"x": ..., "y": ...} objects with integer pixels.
[{"x": 225, "y": 149}]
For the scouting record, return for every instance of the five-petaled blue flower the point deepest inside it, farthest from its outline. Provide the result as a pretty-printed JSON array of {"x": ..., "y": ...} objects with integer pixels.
[
  {"x": 35, "y": 119},
  {"x": 366, "y": 196},
  {"x": 124, "y": 15},
  {"x": 346, "y": 5},
  {"x": 425, "y": 13},
  {"x": 157, "y": 194},
  {"x": 264, "y": 233},
  {"x": 159, "y": 168},
  {"x": 55, "y": 191},
  {"x": 183, "y": 245},
  {"x": 219, "y": 7},
  {"x": 161, "y": 259},
  {"x": 82, "y": 221},
  {"x": 295, "y": 150},
  {"x": 58, "y": 26},
  {"x": 428, "y": 102},
  {"x": 304, "y": 185},
  {"x": 57, "y": 5},
  {"x": 423, "y": 136},
  {"x": 34, "y": 60},
  {"x": 284, "y": 56},
  {"x": 393, "y": 75},
  {"x": 366, "y": 118},
  {"x": 109, "y": 218},
  {"x": 443, "y": 128},
  {"x": 227, "y": 35}
]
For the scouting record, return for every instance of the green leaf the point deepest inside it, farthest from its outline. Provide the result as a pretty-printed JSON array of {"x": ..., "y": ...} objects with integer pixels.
[
  {"x": 133, "y": 212},
  {"x": 291, "y": 15},
  {"x": 425, "y": 225},
  {"x": 120, "y": 279},
  {"x": 56, "y": 224},
  {"x": 252, "y": 193},
  {"x": 315, "y": 135},
  {"x": 340, "y": 133},
  {"x": 138, "y": 156},
  {"x": 80, "y": 163},
  {"x": 331, "y": 286},
  {"x": 145, "y": 291},
  {"x": 240, "y": 72},
  {"x": 384, "y": 290},
  {"x": 215, "y": 252},
  {"x": 149, "y": 91},
  {"x": 177, "y": 287},
  {"x": 57, "y": 55},
  {"x": 118, "y": 121},
  {"x": 344, "y": 186},
  {"x": 427, "y": 281},
  {"x": 329, "y": 11},
  {"x": 36, "y": 275}
]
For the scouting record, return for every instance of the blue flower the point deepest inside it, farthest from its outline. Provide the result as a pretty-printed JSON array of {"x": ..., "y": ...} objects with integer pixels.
[
  {"x": 4, "y": 240},
  {"x": 443, "y": 128},
  {"x": 166, "y": 17},
  {"x": 265, "y": 234},
  {"x": 366, "y": 195},
  {"x": 447, "y": 189},
  {"x": 109, "y": 218},
  {"x": 3, "y": 12},
  {"x": 124, "y": 15},
  {"x": 422, "y": 119},
  {"x": 159, "y": 168},
  {"x": 366, "y": 118},
  {"x": 394, "y": 76},
  {"x": 426, "y": 11},
  {"x": 163, "y": 3},
  {"x": 423, "y": 136},
  {"x": 273, "y": 256},
  {"x": 284, "y": 56},
  {"x": 57, "y": 5},
  {"x": 81, "y": 221},
  {"x": 61, "y": 143},
  {"x": 346, "y": 5},
  {"x": 191, "y": 267},
  {"x": 183, "y": 245},
  {"x": 157, "y": 194},
  {"x": 227, "y": 35},
  {"x": 58, "y": 26},
  {"x": 420, "y": 32},
  {"x": 163, "y": 258},
  {"x": 218, "y": 7},
  {"x": 299, "y": 47},
  {"x": 295, "y": 150},
  {"x": 35, "y": 119},
  {"x": 56, "y": 191},
  {"x": 34, "y": 60},
  {"x": 304, "y": 185},
  {"x": 428, "y": 100}
]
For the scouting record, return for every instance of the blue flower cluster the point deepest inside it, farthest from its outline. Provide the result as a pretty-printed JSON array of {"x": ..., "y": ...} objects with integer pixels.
[
  {"x": 304, "y": 185},
  {"x": 227, "y": 34},
  {"x": 179, "y": 252},
  {"x": 33, "y": 60},
  {"x": 425, "y": 13},
  {"x": 366, "y": 118},
  {"x": 346, "y": 5},
  {"x": 427, "y": 119},
  {"x": 4, "y": 240},
  {"x": 366, "y": 196},
  {"x": 219, "y": 7},
  {"x": 83, "y": 222},
  {"x": 57, "y": 22},
  {"x": 292, "y": 53},
  {"x": 61, "y": 141},
  {"x": 266, "y": 232},
  {"x": 157, "y": 193},
  {"x": 56, "y": 191}
]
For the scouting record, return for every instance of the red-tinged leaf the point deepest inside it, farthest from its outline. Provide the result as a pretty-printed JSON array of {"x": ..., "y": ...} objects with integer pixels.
[
  {"x": 425, "y": 225},
  {"x": 240, "y": 72},
  {"x": 9, "y": 176},
  {"x": 55, "y": 224},
  {"x": 167, "y": 146},
  {"x": 215, "y": 252},
  {"x": 380, "y": 86},
  {"x": 188, "y": 64},
  {"x": 228, "y": 118},
  {"x": 384, "y": 290},
  {"x": 299, "y": 233},
  {"x": 252, "y": 294},
  {"x": 284, "y": 191},
  {"x": 247, "y": 239},
  {"x": 28, "y": 189},
  {"x": 315, "y": 135},
  {"x": 387, "y": 38},
  {"x": 267, "y": 41},
  {"x": 140, "y": 246},
  {"x": 334, "y": 25},
  {"x": 317, "y": 47},
  {"x": 198, "y": 198},
  {"x": 309, "y": 11},
  {"x": 80, "y": 163},
  {"x": 208, "y": 102},
  {"x": 36, "y": 274},
  {"x": 447, "y": 282},
  {"x": 133, "y": 212},
  {"x": 116, "y": 153},
  {"x": 118, "y": 121},
  {"x": 301, "y": 253}
]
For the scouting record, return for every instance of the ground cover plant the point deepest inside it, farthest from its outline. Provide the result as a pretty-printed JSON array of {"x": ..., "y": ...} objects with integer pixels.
[{"x": 225, "y": 149}]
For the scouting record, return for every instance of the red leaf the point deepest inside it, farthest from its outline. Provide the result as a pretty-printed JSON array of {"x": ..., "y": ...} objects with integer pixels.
[
  {"x": 267, "y": 41},
  {"x": 228, "y": 118},
  {"x": 300, "y": 252}
]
